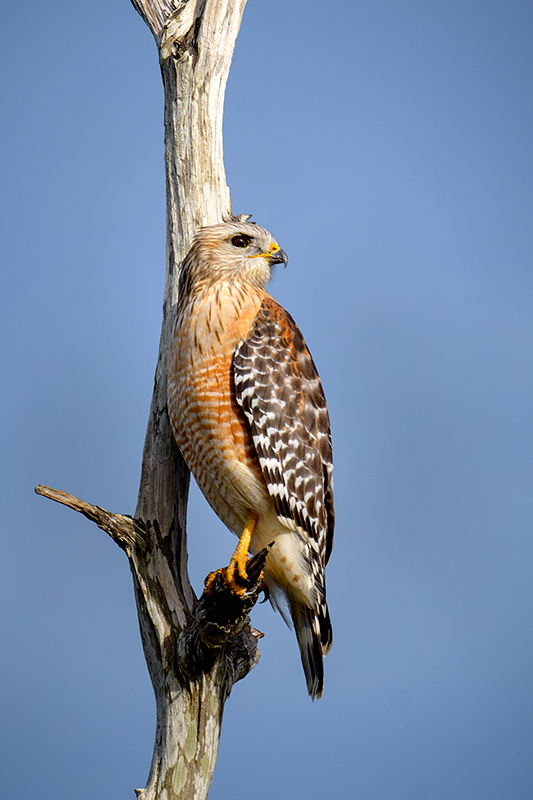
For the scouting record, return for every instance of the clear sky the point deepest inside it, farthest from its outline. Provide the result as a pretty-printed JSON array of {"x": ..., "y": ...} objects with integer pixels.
[{"x": 387, "y": 146}]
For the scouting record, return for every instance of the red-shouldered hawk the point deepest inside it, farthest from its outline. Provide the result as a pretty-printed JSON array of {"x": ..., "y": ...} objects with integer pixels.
[{"x": 250, "y": 418}]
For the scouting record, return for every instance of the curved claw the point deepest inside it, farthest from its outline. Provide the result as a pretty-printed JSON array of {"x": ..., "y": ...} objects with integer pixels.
[
  {"x": 266, "y": 593},
  {"x": 256, "y": 564}
]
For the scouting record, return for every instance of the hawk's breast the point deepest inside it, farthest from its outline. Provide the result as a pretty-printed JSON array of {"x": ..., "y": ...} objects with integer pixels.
[{"x": 209, "y": 425}]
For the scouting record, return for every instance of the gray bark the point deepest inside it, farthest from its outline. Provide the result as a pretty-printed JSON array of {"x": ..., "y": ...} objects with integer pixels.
[{"x": 195, "y": 649}]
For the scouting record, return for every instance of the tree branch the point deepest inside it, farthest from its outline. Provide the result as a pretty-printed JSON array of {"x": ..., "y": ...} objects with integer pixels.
[
  {"x": 195, "y": 649},
  {"x": 125, "y": 531}
]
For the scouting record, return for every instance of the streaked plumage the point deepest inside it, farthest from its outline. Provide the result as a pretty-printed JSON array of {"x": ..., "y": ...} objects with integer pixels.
[{"x": 249, "y": 415}]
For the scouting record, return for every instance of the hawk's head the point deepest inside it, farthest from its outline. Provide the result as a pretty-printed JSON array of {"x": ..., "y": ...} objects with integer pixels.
[{"x": 231, "y": 251}]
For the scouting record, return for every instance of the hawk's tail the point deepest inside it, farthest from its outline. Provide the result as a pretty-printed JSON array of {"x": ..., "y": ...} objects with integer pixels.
[{"x": 315, "y": 637}]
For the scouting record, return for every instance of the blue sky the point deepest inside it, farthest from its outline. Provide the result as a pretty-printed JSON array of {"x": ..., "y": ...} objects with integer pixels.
[{"x": 387, "y": 146}]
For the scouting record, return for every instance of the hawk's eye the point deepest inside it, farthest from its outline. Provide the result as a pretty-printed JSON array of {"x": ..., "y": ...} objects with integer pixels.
[{"x": 240, "y": 240}]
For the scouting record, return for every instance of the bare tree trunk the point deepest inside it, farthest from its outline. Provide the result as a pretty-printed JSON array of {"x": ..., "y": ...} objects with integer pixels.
[{"x": 195, "y": 649}]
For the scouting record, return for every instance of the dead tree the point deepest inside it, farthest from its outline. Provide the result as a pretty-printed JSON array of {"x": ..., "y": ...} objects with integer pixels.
[{"x": 195, "y": 649}]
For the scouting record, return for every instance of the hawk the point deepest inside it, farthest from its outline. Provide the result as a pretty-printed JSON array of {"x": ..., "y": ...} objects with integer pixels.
[{"x": 249, "y": 415}]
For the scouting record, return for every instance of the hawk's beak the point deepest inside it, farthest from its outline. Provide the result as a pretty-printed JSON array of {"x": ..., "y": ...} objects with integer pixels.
[{"x": 278, "y": 256}]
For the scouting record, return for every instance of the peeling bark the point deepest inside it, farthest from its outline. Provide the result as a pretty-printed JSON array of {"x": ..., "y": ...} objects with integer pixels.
[{"x": 195, "y": 649}]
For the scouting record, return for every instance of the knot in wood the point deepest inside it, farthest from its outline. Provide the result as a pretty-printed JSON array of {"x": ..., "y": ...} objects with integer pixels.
[{"x": 175, "y": 36}]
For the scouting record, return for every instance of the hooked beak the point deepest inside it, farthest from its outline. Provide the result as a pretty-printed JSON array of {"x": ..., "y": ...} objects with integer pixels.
[
  {"x": 278, "y": 256},
  {"x": 275, "y": 256}
]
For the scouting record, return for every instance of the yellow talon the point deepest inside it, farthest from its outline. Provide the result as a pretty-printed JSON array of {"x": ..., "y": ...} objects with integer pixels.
[{"x": 235, "y": 574}]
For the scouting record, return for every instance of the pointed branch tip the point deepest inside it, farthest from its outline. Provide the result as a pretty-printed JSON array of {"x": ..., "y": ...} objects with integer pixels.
[{"x": 125, "y": 531}]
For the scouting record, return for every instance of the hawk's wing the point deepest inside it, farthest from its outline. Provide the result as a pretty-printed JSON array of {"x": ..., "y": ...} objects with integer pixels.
[{"x": 278, "y": 388}]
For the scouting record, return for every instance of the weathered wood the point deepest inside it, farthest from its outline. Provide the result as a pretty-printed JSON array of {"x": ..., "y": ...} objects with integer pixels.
[
  {"x": 194, "y": 660},
  {"x": 128, "y": 533},
  {"x": 177, "y": 15},
  {"x": 196, "y": 42},
  {"x": 195, "y": 650}
]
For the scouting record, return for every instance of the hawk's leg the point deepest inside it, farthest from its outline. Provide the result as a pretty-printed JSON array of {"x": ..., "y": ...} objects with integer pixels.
[{"x": 236, "y": 575}]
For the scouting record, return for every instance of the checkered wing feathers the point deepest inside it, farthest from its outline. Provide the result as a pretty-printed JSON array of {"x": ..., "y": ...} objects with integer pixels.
[{"x": 278, "y": 387}]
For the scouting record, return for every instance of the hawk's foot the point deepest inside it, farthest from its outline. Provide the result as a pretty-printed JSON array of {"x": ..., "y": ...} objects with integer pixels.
[{"x": 243, "y": 574}]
